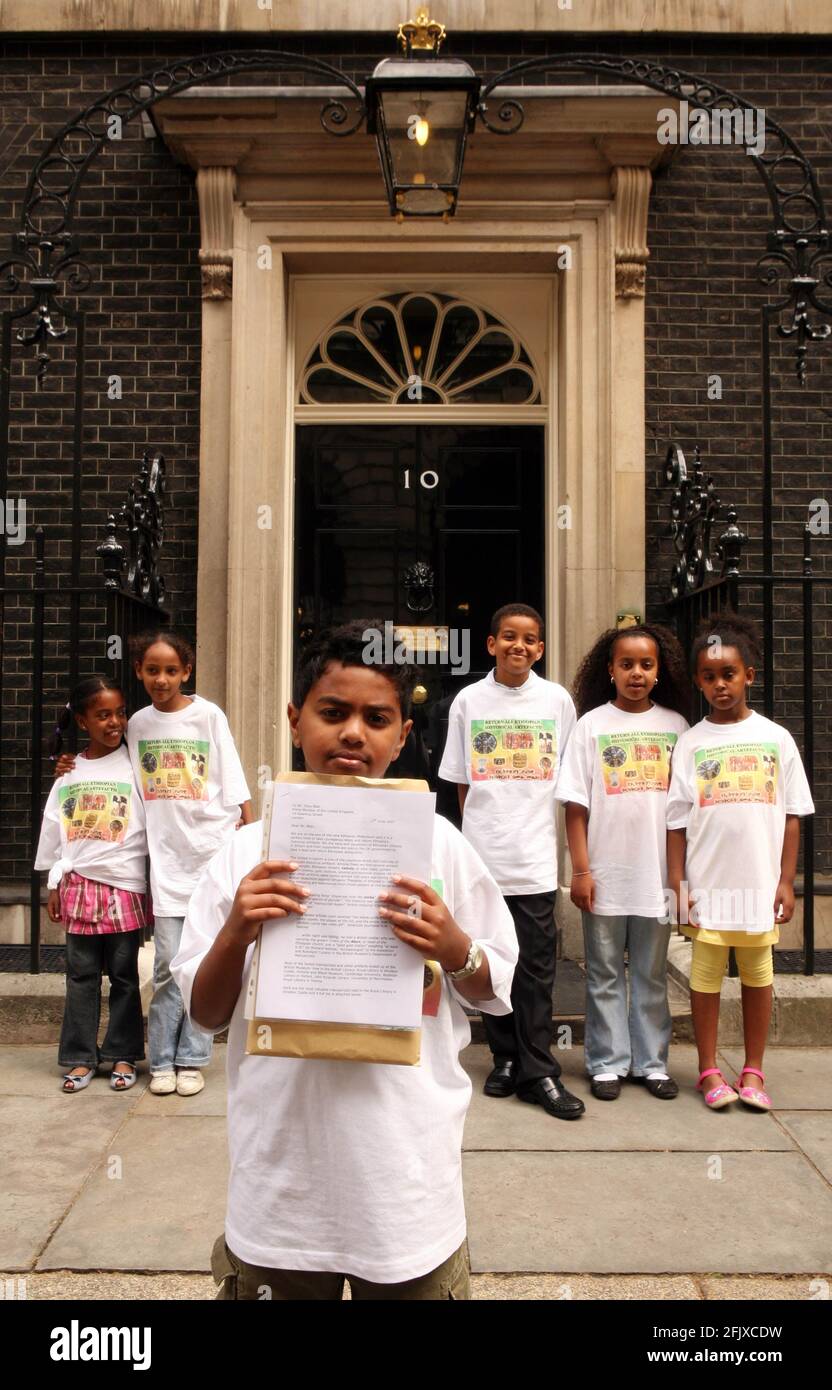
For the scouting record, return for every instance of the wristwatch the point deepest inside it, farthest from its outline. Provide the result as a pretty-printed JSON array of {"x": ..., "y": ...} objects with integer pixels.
[{"x": 472, "y": 964}]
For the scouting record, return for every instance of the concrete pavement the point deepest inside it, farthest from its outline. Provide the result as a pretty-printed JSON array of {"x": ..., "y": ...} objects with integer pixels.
[{"x": 638, "y": 1199}]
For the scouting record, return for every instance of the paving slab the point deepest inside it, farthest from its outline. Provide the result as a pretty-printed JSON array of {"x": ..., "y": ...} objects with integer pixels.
[
  {"x": 566, "y": 1287},
  {"x": 45, "y": 1162},
  {"x": 646, "y": 1213},
  {"x": 166, "y": 1209},
  {"x": 812, "y": 1131},
  {"x": 796, "y": 1289},
  {"x": 32, "y": 1070},
  {"x": 636, "y": 1121},
  {"x": 69, "y": 1285},
  {"x": 797, "y": 1078},
  {"x": 211, "y": 1100}
]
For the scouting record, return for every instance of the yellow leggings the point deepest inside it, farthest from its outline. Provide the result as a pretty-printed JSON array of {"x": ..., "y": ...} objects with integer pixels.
[{"x": 709, "y": 962}]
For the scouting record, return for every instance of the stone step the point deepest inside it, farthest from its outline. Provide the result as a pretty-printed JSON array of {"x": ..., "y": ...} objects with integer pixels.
[
  {"x": 569, "y": 1006},
  {"x": 31, "y": 1006},
  {"x": 801, "y": 1013}
]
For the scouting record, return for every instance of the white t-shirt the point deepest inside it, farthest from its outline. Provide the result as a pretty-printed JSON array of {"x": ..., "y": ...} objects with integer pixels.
[
  {"x": 193, "y": 785},
  {"x": 351, "y": 1167},
  {"x": 618, "y": 766},
  {"x": 731, "y": 788},
  {"x": 507, "y": 742},
  {"x": 94, "y": 824}
]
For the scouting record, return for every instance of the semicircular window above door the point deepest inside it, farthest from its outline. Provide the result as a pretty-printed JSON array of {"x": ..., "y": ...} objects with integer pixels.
[{"x": 419, "y": 348}]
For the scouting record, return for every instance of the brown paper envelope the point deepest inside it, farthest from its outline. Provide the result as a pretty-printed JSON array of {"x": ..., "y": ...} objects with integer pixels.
[{"x": 334, "y": 1042}]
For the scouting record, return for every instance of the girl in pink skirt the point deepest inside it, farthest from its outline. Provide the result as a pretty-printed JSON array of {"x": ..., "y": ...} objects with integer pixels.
[{"x": 93, "y": 844}]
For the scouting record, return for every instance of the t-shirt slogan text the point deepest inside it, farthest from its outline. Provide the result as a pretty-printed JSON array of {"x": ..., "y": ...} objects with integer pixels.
[
  {"x": 635, "y": 762},
  {"x": 96, "y": 810},
  {"x": 513, "y": 750},
  {"x": 174, "y": 769},
  {"x": 737, "y": 772}
]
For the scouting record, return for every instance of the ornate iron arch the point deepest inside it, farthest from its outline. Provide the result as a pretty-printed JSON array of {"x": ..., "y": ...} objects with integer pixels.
[
  {"x": 797, "y": 250},
  {"x": 47, "y": 252}
]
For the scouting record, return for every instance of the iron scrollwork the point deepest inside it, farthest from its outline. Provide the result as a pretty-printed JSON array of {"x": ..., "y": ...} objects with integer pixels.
[
  {"x": 694, "y": 507},
  {"x": 800, "y": 242},
  {"x": 45, "y": 249},
  {"x": 135, "y": 568},
  {"x": 46, "y": 252}
]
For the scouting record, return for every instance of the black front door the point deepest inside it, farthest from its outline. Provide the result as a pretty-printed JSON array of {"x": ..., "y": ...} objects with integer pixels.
[{"x": 424, "y": 526}]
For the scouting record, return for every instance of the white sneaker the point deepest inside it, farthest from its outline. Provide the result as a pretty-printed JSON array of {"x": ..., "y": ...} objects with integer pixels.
[
  {"x": 163, "y": 1083},
  {"x": 189, "y": 1082}
]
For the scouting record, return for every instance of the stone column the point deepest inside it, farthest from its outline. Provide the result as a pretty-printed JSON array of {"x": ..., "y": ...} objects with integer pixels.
[
  {"x": 630, "y": 186},
  {"x": 216, "y": 187}
]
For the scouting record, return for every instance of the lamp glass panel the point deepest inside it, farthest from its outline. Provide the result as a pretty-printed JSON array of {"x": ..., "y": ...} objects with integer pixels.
[{"x": 437, "y": 161}]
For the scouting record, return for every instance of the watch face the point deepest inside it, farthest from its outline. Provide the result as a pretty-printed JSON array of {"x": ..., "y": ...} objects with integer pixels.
[{"x": 471, "y": 965}]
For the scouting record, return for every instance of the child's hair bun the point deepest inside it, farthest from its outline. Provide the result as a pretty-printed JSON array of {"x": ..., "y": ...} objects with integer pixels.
[{"x": 731, "y": 630}]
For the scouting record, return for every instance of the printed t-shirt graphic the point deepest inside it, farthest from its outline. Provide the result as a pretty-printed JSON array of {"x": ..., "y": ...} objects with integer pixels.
[
  {"x": 731, "y": 788},
  {"x": 501, "y": 742},
  {"x": 174, "y": 769},
  {"x": 94, "y": 824},
  {"x": 96, "y": 810},
  {"x": 513, "y": 749},
  {"x": 617, "y": 766},
  {"x": 740, "y": 772},
  {"x": 192, "y": 786},
  {"x": 635, "y": 762}
]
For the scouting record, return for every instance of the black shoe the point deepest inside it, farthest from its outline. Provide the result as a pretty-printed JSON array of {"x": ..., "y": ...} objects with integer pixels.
[
  {"x": 501, "y": 1081},
  {"x": 554, "y": 1097},
  {"x": 664, "y": 1090},
  {"x": 605, "y": 1090}
]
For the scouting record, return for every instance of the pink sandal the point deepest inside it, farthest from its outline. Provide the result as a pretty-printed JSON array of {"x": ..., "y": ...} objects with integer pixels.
[
  {"x": 750, "y": 1095},
  {"x": 721, "y": 1095}
]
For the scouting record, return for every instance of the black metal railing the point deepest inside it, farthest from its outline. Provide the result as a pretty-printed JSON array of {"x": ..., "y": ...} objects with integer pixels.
[
  {"x": 88, "y": 632},
  {"x": 697, "y": 592}
]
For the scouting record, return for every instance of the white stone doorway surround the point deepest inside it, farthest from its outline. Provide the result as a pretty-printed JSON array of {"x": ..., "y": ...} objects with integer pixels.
[{"x": 295, "y": 231}]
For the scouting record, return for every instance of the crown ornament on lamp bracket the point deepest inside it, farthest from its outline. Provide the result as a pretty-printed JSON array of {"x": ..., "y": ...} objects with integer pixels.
[{"x": 421, "y": 33}]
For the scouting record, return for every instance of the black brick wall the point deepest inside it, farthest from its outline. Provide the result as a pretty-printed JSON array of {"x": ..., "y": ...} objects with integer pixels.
[{"x": 139, "y": 224}]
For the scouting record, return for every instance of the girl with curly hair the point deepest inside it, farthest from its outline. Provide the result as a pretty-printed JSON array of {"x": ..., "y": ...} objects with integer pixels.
[{"x": 632, "y": 694}]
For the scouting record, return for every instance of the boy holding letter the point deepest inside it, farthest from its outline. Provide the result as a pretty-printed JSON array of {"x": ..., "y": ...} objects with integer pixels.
[{"x": 344, "y": 1169}]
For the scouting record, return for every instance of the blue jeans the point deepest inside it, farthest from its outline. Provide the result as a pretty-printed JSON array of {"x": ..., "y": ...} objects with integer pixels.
[
  {"x": 172, "y": 1039},
  {"x": 618, "y": 1039}
]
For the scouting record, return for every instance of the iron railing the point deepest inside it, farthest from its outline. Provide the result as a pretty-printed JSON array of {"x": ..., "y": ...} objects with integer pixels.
[
  {"x": 697, "y": 592},
  {"x": 95, "y": 622}
]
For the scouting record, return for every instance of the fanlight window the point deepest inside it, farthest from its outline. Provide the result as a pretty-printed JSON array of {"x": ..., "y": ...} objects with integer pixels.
[{"x": 417, "y": 349}]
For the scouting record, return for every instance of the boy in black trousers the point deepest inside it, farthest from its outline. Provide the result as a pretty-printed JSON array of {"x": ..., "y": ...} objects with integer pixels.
[{"x": 506, "y": 738}]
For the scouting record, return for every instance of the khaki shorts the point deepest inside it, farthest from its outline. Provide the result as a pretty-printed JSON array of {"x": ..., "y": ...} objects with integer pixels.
[{"x": 238, "y": 1280}]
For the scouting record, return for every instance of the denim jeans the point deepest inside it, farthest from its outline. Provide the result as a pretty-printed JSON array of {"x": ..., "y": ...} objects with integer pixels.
[
  {"x": 172, "y": 1039},
  {"x": 618, "y": 1039},
  {"x": 86, "y": 959}
]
